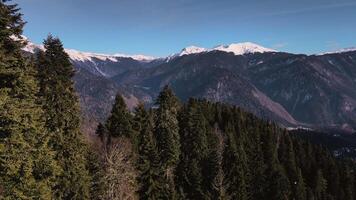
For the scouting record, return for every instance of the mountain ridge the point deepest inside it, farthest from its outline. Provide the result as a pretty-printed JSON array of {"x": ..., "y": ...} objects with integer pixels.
[{"x": 292, "y": 89}]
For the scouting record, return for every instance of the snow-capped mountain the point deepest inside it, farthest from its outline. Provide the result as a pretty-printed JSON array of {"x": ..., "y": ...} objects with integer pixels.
[
  {"x": 294, "y": 89},
  {"x": 76, "y": 55},
  {"x": 345, "y": 50},
  {"x": 243, "y": 48},
  {"x": 87, "y": 56},
  {"x": 79, "y": 56},
  {"x": 236, "y": 48},
  {"x": 192, "y": 50}
]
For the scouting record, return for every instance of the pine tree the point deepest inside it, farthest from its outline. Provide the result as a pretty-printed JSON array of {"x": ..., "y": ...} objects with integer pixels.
[
  {"x": 212, "y": 169},
  {"x": 101, "y": 132},
  {"x": 62, "y": 115},
  {"x": 300, "y": 188},
  {"x": 320, "y": 186},
  {"x": 234, "y": 165},
  {"x": 167, "y": 133},
  {"x": 119, "y": 122},
  {"x": 96, "y": 171},
  {"x": 27, "y": 166},
  {"x": 278, "y": 185},
  {"x": 287, "y": 159},
  {"x": 194, "y": 153},
  {"x": 256, "y": 164},
  {"x": 348, "y": 182},
  {"x": 151, "y": 180}
]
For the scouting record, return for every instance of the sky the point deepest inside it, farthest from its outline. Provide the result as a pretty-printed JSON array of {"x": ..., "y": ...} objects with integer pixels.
[{"x": 162, "y": 27}]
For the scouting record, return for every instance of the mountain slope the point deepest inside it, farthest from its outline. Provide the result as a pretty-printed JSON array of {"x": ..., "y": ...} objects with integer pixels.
[
  {"x": 207, "y": 76},
  {"x": 317, "y": 90},
  {"x": 295, "y": 90}
]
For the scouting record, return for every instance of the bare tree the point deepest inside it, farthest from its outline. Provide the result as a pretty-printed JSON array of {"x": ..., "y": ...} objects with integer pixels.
[{"x": 120, "y": 173}]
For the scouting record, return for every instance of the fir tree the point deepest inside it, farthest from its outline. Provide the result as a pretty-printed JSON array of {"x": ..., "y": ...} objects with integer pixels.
[
  {"x": 151, "y": 181},
  {"x": 234, "y": 165},
  {"x": 194, "y": 153},
  {"x": 300, "y": 188},
  {"x": 102, "y": 132},
  {"x": 320, "y": 186},
  {"x": 167, "y": 133},
  {"x": 119, "y": 122},
  {"x": 27, "y": 166},
  {"x": 96, "y": 171},
  {"x": 62, "y": 115},
  {"x": 257, "y": 179}
]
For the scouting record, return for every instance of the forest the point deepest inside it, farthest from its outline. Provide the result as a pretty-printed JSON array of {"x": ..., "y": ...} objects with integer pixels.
[{"x": 173, "y": 150}]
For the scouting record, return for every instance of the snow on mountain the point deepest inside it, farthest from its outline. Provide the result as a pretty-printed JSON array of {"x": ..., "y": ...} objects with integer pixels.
[
  {"x": 243, "y": 48},
  {"x": 340, "y": 51},
  {"x": 138, "y": 57},
  {"x": 192, "y": 50},
  {"x": 31, "y": 47},
  {"x": 237, "y": 49},
  {"x": 87, "y": 56}
]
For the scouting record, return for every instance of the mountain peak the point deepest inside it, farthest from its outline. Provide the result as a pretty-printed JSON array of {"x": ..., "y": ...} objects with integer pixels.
[
  {"x": 243, "y": 48},
  {"x": 192, "y": 50}
]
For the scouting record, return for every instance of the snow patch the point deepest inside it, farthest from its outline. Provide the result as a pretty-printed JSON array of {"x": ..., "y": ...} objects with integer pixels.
[
  {"x": 243, "y": 48},
  {"x": 86, "y": 56},
  {"x": 192, "y": 50},
  {"x": 339, "y": 51}
]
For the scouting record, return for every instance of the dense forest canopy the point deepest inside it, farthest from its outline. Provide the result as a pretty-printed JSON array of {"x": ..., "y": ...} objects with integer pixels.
[{"x": 192, "y": 150}]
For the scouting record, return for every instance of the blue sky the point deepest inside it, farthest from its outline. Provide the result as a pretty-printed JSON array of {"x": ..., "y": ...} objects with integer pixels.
[{"x": 162, "y": 27}]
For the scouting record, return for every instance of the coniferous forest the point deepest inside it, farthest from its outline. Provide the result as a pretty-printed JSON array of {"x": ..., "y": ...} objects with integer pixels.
[{"x": 174, "y": 150}]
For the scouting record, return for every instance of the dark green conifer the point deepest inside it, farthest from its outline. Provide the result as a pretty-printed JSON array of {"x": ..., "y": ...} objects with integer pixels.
[
  {"x": 167, "y": 130},
  {"x": 152, "y": 184},
  {"x": 119, "y": 122},
  {"x": 194, "y": 153},
  {"x": 300, "y": 188},
  {"x": 62, "y": 120},
  {"x": 101, "y": 132},
  {"x": 27, "y": 166},
  {"x": 167, "y": 134},
  {"x": 234, "y": 166},
  {"x": 320, "y": 184}
]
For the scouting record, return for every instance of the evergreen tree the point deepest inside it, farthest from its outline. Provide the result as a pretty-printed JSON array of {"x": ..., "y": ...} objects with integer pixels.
[
  {"x": 347, "y": 183},
  {"x": 151, "y": 181},
  {"x": 257, "y": 179},
  {"x": 167, "y": 133},
  {"x": 27, "y": 166},
  {"x": 320, "y": 186},
  {"x": 194, "y": 153},
  {"x": 212, "y": 169},
  {"x": 287, "y": 159},
  {"x": 300, "y": 192},
  {"x": 234, "y": 165},
  {"x": 62, "y": 115},
  {"x": 278, "y": 185},
  {"x": 102, "y": 132},
  {"x": 119, "y": 122},
  {"x": 96, "y": 171}
]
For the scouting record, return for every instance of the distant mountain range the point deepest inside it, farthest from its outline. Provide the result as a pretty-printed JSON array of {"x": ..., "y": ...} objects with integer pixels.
[{"x": 315, "y": 91}]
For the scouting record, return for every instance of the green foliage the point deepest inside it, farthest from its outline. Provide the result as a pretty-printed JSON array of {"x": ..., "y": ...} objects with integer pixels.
[
  {"x": 119, "y": 122},
  {"x": 199, "y": 150},
  {"x": 62, "y": 120},
  {"x": 151, "y": 178},
  {"x": 167, "y": 129},
  {"x": 235, "y": 167},
  {"x": 96, "y": 171},
  {"x": 27, "y": 167},
  {"x": 194, "y": 152}
]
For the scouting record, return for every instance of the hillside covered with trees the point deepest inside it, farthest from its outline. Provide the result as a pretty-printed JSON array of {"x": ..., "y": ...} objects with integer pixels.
[{"x": 175, "y": 150}]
